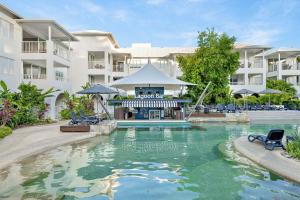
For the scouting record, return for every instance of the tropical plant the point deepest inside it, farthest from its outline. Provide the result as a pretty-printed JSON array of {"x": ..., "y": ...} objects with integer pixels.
[
  {"x": 5, "y": 131},
  {"x": 293, "y": 147},
  {"x": 73, "y": 103},
  {"x": 30, "y": 104},
  {"x": 6, "y": 113},
  {"x": 214, "y": 61},
  {"x": 282, "y": 86}
]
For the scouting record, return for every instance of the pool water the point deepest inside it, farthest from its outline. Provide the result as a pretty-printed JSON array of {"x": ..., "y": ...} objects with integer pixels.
[{"x": 150, "y": 163}]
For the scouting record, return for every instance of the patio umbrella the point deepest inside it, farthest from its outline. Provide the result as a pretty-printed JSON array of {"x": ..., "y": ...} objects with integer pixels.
[
  {"x": 270, "y": 91},
  {"x": 97, "y": 90},
  {"x": 244, "y": 91}
]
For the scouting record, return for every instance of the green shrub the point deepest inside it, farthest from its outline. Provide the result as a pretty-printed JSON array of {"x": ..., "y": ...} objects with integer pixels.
[
  {"x": 5, "y": 131},
  {"x": 293, "y": 147},
  {"x": 65, "y": 114}
]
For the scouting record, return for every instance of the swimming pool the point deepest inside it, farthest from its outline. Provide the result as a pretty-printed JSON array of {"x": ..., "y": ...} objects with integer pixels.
[{"x": 150, "y": 163}]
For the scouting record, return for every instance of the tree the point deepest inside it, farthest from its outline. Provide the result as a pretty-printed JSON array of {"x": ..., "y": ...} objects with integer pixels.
[
  {"x": 282, "y": 86},
  {"x": 214, "y": 60}
]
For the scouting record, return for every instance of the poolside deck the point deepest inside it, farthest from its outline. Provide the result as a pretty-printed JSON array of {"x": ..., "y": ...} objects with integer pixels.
[
  {"x": 28, "y": 141},
  {"x": 272, "y": 160}
]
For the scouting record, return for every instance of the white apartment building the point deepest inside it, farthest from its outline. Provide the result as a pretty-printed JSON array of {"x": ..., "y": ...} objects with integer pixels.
[
  {"x": 251, "y": 73},
  {"x": 94, "y": 58},
  {"x": 44, "y": 53},
  {"x": 10, "y": 48},
  {"x": 35, "y": 51}
]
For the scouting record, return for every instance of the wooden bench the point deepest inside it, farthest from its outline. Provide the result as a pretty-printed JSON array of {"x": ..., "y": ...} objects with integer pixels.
[{"x": 75, "y": 128}]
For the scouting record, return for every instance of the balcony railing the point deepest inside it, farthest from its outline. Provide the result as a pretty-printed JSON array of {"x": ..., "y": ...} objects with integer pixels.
[
  {"x": 255, "y": 83},
  {"x": 255, "y": 65},
  {"x": 272, "y": 68},
  {"x": 61, "y": 51},
  {"x": 237, "y": 83},
  {"x": 97, "y": 64},
  {"x": 118, "y": 68},
  {"x": 34, "y": 47},
  {"x": 290, "y": 67},
  {"x": 34, "y": 76}
]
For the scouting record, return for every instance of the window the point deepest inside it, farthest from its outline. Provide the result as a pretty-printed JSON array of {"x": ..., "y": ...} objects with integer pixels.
[
  {"x": 6, "y": 29},
  {"x": 32, "y": 71},
  {"x": 6, "y": 65},
  {"x": 59, "y": 76}
]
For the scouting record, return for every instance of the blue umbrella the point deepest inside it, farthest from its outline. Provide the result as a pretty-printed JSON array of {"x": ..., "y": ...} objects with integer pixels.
[{"x": 97, "y": 90}]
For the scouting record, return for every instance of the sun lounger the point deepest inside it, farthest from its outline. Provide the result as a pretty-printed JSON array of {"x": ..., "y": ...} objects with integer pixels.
[
  {"x": 231, "y": 108},
  {"x": 74, "y": 119},
  {"x": 220, "y": 108},
  {"x": 91, "y": 120},
  {"x": 272, "y": 140}
]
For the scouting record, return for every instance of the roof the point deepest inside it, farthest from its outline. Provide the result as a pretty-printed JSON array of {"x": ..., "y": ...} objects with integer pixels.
[
  {"x": 250, "y": 46},
  {"x": 9, "y": 12},
  {"x": 41, "y": 27},
  {"x": 157, "y": 52},
  {"x": 98, "y": 33},
  {"x": 284, "y": 52},
  {"x": 148, "y": 75}
]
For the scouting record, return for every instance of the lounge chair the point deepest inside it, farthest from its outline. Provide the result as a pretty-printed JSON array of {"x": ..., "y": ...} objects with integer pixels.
[
  {"x": 231, "y": 108},
  {"x": 74, "y": 119},
  {"x": 88, "y": 119},
  {"x": 272, "y": 140},
  {"x": 220, "y": 108}
]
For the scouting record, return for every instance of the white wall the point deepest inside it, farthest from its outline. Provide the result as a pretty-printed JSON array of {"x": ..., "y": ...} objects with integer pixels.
[
  {"x": 10, "y": 50},
  {"x": 79, "y": 63}
]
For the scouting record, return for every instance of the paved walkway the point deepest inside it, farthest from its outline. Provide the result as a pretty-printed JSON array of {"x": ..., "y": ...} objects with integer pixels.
[
  {"x": 272, "y": 160},
  {"x": 25, "y": 142},
  {"x": 274, "y": 115}
]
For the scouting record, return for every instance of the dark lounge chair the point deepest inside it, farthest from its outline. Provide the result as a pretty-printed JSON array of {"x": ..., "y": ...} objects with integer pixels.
[
  {"x": 220, "y": 108},
  {"x": 272, "y": 140},
  {"x": 74, "y": 119},
  {"x": 91, "y": 120},
  {"x": 231, "y": 108}
]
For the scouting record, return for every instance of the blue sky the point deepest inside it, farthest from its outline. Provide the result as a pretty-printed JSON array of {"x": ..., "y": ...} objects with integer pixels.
[{"x": 173, "y": 22}]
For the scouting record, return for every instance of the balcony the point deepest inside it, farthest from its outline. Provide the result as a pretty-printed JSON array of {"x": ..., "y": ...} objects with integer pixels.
[
  {"x": 286, "y": 66},
  {"x": 96, "y": 64},
  {"x": 34, "y": 47},
  {"x": 118, "y": 68},
  {"x": 34, "y": 76},
  {"x": 237, "y": 83},
  {"x": 61, "y": 51},
  {"x": 272, "y": 67}
]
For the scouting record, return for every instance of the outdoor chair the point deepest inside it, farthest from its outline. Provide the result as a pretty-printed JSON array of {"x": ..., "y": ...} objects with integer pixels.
[
  {"x": 231, "y": 108},
  {"x": 272, "y": 140},
  {"x": 91, "y": 120},
  {"x": 259, "y": 107},
  {"x": 220, "y": 108},
  {"x": 74, "y": 119}
]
